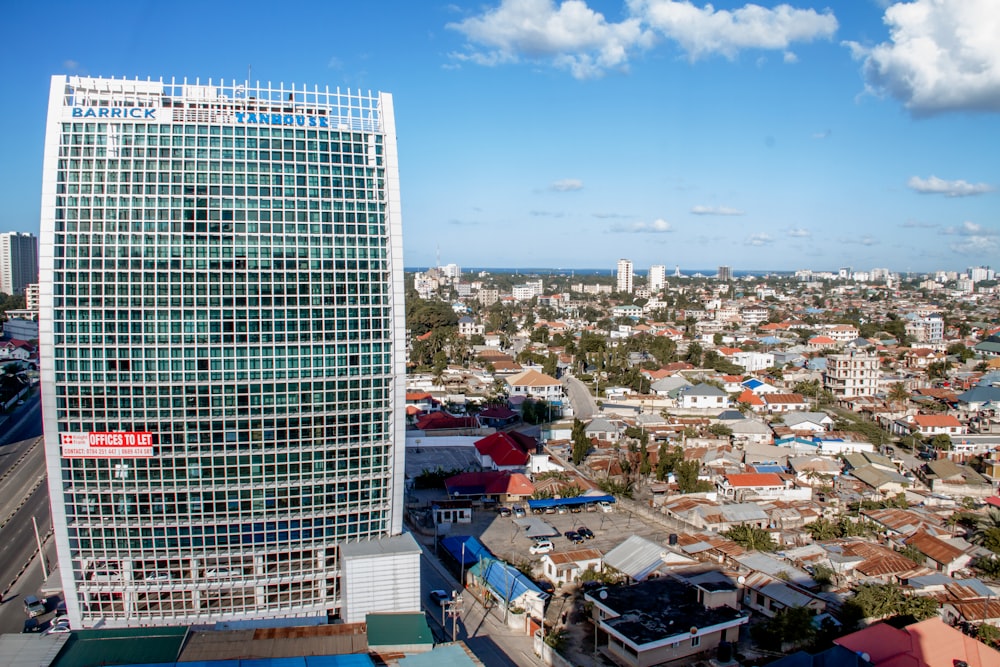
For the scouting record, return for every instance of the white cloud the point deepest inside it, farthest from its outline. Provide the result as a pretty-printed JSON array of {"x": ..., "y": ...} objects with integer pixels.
[
  {"x": 943, "y": 55},
  {"x": 705, "y": 30},
  {"x": 571, "y": 35},
  {"x": 799, "y": 233},
  {"x": 715, "y": 210},
  {"x": 969, "y": 229},
  {"x": 916, "y": 224},
  {"x": 567, "y": 185},
  {"x": 758, "y": 239},
  {"x": 658, "y": 226},
  {"x": 939, "y": 186},
  {"x": 976, "y": 239},
  {"x": 865, "y": 240},
  {"x": 825, "y": 134}
]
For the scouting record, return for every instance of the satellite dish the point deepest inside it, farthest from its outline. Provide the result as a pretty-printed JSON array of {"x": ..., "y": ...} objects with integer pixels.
[
  {"x": 603, "y": 594},
  {"x": 741, "y": 580},
  {"x": 694, "y": 630}
]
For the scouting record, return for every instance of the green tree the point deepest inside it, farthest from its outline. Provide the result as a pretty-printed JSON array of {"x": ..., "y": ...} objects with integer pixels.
[
  {"x": 667, "y": 460},
  {"x": 751, "y": 538},
  {"x": 941, "y": 441},
  {"x": 792, "y": 625},
  {"x": 987, "y": 531},
  {"x": 694, "y": 353},
  {"x": 823, "y": 529},
  {"x": 898, "y": 394},
  {"x": 581, "y": 443},
  {"x": 686, "y": 473},
  {"x": 877, "y": 601},
  {"x": 720, "y": 430}
]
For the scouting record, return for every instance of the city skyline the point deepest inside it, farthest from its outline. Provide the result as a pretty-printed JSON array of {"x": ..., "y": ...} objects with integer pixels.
[{"x": 764, "y": 136}]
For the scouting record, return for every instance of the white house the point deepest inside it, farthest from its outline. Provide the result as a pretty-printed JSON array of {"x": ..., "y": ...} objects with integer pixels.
[
  {"x": 703, "y": 396},
  {"x": 566, "y": 567}
]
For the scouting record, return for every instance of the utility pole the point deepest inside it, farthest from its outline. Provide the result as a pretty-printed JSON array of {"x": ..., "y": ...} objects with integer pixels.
[{"x": 452, "y": 608}]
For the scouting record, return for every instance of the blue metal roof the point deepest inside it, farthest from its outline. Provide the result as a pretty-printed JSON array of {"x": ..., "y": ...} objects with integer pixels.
[
  {"x": 474, "y": 549},
  {"x": 348, "y": 660},
  {"x": 578, "y": 500},
  {"x": 506, "y": 582},
  {"x": 769, "y": 467}
]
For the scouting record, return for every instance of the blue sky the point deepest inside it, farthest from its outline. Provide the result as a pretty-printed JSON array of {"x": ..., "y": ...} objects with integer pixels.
[{"x": 569, "y": 134}]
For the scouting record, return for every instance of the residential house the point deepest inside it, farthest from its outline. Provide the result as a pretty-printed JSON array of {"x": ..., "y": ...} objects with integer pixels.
[
  {"x": 604, "y": 429},
  {"x": 780, "y": 403},
  {"x": 931, "y": 425},
  {"x": 749, "y": 486},
  {"x": 769, "y": 595},
  {"x": 500, "y": 451},
  {"x": 565, "y": 567},
  {"x": 639, "y": 559},
  {"x": 817, "y": 422},
  {"x": 661, "y": 621},
  {"x": 533, "y": 384},
  {"x": 939, "y": 554},
  {"x": 951, "y": 479},
  {"x": 703, "y": 396}
]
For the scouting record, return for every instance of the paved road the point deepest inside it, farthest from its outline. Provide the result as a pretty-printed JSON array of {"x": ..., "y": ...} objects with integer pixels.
[
  {"x": 24, "y": 495},
  {"x": 583, "y": 403},
  {"x": 486, "y": 635}
]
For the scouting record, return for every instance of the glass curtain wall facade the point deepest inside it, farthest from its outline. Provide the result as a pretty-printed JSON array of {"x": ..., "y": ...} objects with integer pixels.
[{"x": 222, "y": 364}]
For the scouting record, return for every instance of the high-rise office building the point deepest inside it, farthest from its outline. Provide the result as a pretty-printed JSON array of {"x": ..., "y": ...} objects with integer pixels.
[
  {"x": 625, "y": 275},
  {"x": 725, "y": 273},
  {"x": 222, "y": 352},
  {"x": 657, "y": 277},
  {"x": 18, "y": 261}
]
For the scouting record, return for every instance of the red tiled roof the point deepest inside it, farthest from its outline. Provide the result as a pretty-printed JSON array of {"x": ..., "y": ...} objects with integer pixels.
[
  {"x": 784, "y": 398},
  {"x": 750, "y": 398},
  {"x": 755, "y": 479},
  {"x": 503, "y": 449},
  {"x": 936, "y": 421}
]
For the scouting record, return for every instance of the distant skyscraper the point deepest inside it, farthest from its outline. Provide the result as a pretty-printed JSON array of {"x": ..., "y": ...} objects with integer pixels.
[
  {"x": 725, "y": 273},
  {"x": 222, "y": 351},
  {"x": 625, "y": 276},
  {"x": 18, "y": 261},
  {"x": 657, "y": 277}
]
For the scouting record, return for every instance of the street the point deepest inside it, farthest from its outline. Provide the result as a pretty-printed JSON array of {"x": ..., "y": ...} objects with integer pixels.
[{"x": 584, "y": 406}]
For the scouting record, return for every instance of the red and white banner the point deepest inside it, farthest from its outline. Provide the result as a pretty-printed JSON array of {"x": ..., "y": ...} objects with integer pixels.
[{"x": 107, "y": 445}]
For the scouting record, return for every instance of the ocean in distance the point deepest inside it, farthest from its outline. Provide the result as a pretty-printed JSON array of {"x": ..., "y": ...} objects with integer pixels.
[{"x": 543, "y": 271}]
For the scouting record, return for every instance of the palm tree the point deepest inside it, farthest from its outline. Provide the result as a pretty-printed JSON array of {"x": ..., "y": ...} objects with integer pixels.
[
  {"x": 898, "y": 394},
  {"x": 987, "y": 532}
]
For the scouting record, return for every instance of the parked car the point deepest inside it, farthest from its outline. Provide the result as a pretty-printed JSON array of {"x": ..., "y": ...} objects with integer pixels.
[
  {"x": 440, "y": 597},
  {"x": 928, "y": 455},
  {"x": 31, "y": 625},
  {"x": 591, "y": 507},
  {"x": 575, "y": 509},
  {"x": 519, "y": 512},
  {"x": 605, "y": 506},
  {"x": 562, "y": 509},
  {"x": 504, "y": 511},
  {"x": 545, "y": 586},
  {"x": 541, "y": 547},
  {"x": 585, "y": 532},
  {"x": 33, "y": 606},
  {"x": 550, "y": 510},
  {"x": 537, "y": 510},
  {"x": 573, "y": 536},
  {"x": 58, "y": 626}
]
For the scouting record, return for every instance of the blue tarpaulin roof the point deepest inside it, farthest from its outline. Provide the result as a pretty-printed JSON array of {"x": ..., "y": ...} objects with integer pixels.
[
  {"x": 474, "y": 549},
  {"x": 769, "y": 468},
  {"x": 578, "y": 500}
]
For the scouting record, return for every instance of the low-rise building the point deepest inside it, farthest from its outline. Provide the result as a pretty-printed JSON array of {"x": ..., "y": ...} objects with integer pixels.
[{"x": 661, "y": 621}]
